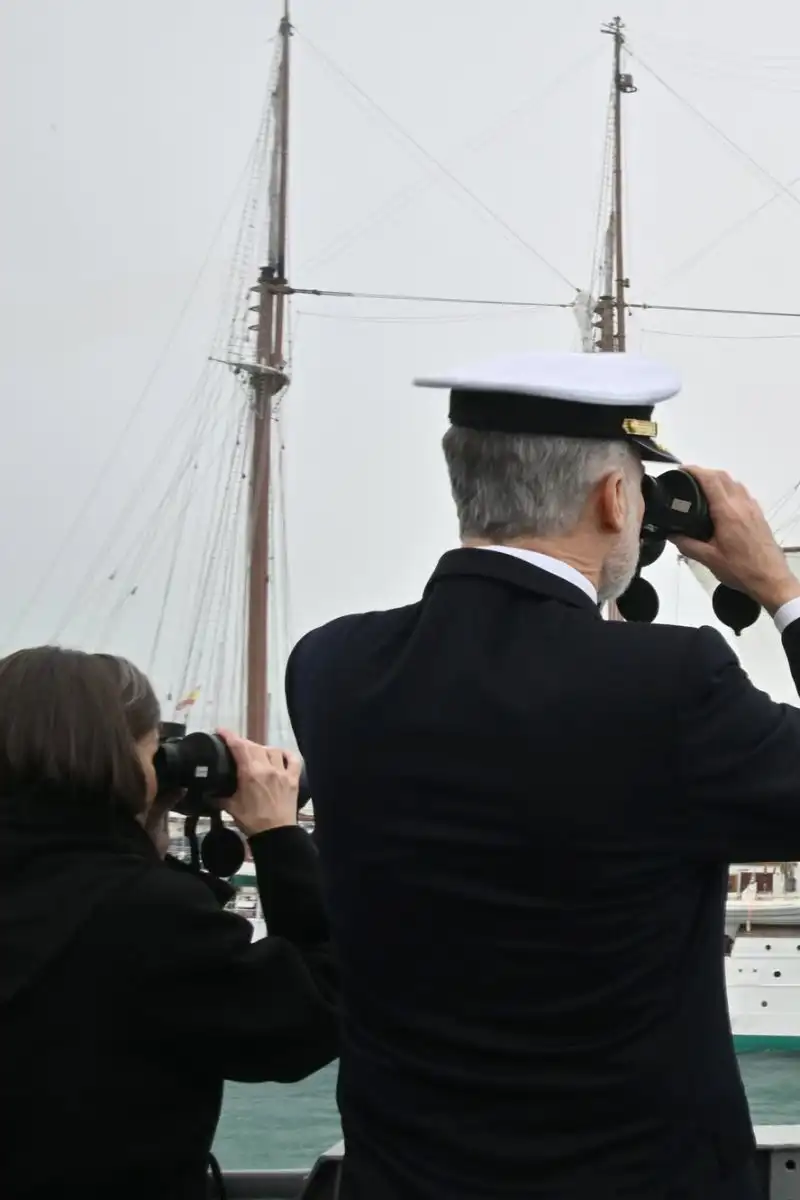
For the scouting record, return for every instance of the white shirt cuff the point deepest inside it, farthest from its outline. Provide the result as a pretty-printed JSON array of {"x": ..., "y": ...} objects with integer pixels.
[{"x": 787, "y": 614}]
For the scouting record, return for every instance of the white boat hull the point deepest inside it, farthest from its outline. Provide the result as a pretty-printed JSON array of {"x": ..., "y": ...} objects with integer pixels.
[{"x": 762, "y": 976}]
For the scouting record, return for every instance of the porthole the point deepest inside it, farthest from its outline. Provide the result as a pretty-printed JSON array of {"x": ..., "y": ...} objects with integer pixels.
[
  {"x": 777, "y": 974},
  {"x": 768, "y": 946},
  {"x": 763, "y": 1003},
  {"x": 790, "y": 1164}
]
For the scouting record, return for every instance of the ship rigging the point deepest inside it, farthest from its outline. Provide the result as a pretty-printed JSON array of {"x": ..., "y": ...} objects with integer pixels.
[{"x": 227, "y": 479}]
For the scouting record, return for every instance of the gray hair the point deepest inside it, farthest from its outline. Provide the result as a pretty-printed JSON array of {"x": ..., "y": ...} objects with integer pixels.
[{"x": 508, "y": 485}]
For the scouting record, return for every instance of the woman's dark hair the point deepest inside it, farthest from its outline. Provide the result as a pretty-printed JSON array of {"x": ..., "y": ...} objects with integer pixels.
[{"x": 70, "y": 720}]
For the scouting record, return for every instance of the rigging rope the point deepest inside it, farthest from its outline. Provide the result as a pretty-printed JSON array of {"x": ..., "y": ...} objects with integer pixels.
[
  {"x": 215, "y": 539},
  {"x": 604, "y": 196},
  {"x": 202, "y": 405},
  {"x": 222, "y": 579},
  {"x": 403, "y": 196},
  {"x": 231, "y": 575},
  {"x": 724, "y": 337},
  {"x": 720, "y": 133},
  {"x": 109, "y": 461},
  {"x": 698, "y": 255},
  {"x": 714, "y": 61},
  {"x": 448, "y": 174},
  {"x": 247, "y": 255},
  {"x": 779, "y": 189},
  {"x": 157, "y": 553},
  {"x": 723, "y": 312},
  {"x": 179, "y": 542},
  {"x": 418, "y": 318},
  {"x": 342, "y": 295},
  {"x": 479, "y": 301}
]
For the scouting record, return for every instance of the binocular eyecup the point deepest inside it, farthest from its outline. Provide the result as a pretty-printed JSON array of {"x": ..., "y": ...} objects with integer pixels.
[{"x": 675, "y": 506}]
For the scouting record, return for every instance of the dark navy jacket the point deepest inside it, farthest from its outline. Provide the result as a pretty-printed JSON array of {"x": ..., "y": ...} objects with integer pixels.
[{"x": 525, "y": 815}]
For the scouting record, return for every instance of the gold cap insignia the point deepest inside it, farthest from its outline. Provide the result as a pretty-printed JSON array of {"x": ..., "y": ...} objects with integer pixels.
[{"x": 638, "y": 428}]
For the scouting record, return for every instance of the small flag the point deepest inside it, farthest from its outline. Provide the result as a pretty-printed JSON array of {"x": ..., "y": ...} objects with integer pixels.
[{"x": 187, "y": 701}]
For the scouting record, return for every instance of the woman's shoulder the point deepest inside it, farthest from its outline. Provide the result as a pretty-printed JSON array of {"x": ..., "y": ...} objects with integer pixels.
[
  {"x": 165, "y": 908},
  {"x": 220, "y": 889},
  {"x": 174, "y": 884}
]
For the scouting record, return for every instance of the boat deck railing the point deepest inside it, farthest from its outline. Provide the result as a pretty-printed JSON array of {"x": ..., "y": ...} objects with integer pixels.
[{"x": 778, "y": 1152}]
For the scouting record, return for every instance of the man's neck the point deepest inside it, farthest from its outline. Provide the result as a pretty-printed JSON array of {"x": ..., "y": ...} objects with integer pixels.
[{"x": 571, "y": 553}]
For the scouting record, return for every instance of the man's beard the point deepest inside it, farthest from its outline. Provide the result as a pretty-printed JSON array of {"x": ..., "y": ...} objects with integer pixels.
[{"x": 620, "y": 567}]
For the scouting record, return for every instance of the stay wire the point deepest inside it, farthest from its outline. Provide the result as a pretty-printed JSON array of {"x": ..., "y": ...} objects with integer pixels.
[
  {"x": 438, "y": 165},
  {"x": 213, "y": 541},
  {"x": 202, "y": 400},
  {"x": 698, "y": 255},
  {"x": 479, "y": 301},
  {"x": 404, "y": 195},
  {"x": 720, "y": 133},
  {"x": 724, "y": 337},
  {"x": 109, "y": 461}
]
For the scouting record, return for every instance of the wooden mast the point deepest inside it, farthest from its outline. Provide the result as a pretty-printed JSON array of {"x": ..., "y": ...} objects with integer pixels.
[
  {"x": 622, "y": 85},
  {"x": 268, "y": 379}
]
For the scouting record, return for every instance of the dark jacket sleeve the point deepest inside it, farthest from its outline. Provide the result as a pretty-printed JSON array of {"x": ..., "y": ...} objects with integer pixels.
[
  {"x": 739, "y": 757},
  {"x": 244, "y": 1010},
  {"x": 222, "y": 891},
  {"x": 290, "y": 886},
  {"x": 293, "y": 667},
  {"x": 791, "y": 647}
]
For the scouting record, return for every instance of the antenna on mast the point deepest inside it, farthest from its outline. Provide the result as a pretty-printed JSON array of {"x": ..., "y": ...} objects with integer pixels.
[{"x": 267, "y": 378}]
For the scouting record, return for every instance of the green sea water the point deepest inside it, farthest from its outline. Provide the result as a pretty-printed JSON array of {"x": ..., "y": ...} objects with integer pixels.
[
  {"x": 272, "y": 1126},
  {"x": 269, "y": 1126}
]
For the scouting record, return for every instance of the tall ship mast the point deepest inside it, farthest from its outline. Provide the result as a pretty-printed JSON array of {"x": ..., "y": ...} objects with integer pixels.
[
  {"x": 610, "y": 308},
  {"x": 268, "y": 381},
  {"x": 609, "y": 312},
  {"x": 209, "y": 615},
  {"x": 192, "y": 578}
]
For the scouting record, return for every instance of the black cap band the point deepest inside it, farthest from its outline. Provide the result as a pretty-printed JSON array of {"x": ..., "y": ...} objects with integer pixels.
[{"x": 511, "y": 412}]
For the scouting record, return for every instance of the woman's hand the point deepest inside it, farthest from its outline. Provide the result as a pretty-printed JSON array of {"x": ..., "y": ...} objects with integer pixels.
[{"x": 269, "y": 780}]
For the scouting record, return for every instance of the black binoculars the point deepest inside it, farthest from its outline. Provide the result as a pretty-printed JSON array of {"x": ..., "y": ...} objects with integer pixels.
[
  {"x": 200, "y": 767},
  {"x": 675, "y": 506}
]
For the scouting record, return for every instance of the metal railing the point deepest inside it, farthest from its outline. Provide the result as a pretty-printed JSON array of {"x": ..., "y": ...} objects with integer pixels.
[
  {"x": 317, "y": 1184},
  {"x": 779, "y": 1165}
]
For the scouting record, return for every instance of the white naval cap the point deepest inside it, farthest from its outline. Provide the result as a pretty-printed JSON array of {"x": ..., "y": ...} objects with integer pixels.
[{"x": 609, "y": 396}]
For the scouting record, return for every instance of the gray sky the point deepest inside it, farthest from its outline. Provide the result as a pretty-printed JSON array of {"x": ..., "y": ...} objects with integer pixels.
[{"x": 124, "y": 132}]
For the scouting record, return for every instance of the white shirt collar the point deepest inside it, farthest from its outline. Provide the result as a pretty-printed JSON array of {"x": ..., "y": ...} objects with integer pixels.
[{"x": 545, "y": 562}]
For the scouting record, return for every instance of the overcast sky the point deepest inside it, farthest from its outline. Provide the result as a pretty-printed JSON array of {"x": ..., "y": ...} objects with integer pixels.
[{"x": 125, "y": 132}]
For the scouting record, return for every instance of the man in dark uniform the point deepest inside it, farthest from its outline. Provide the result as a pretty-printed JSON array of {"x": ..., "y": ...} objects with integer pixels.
[{"x": 525, "y": 815}]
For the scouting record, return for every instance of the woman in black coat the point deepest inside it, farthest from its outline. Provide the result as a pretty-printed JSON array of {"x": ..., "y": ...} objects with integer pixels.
[{"x": 128, "y": 995}]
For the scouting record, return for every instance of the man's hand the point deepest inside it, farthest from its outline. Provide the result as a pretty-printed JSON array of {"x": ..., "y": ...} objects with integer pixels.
[{"x": 743, "y": 552}]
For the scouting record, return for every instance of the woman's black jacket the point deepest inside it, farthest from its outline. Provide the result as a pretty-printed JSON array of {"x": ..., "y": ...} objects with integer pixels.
[{"x": 128, "y": 995}]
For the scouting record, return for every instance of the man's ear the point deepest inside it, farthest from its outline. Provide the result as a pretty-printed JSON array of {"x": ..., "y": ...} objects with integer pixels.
[{"x": 612, "y": 502}]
